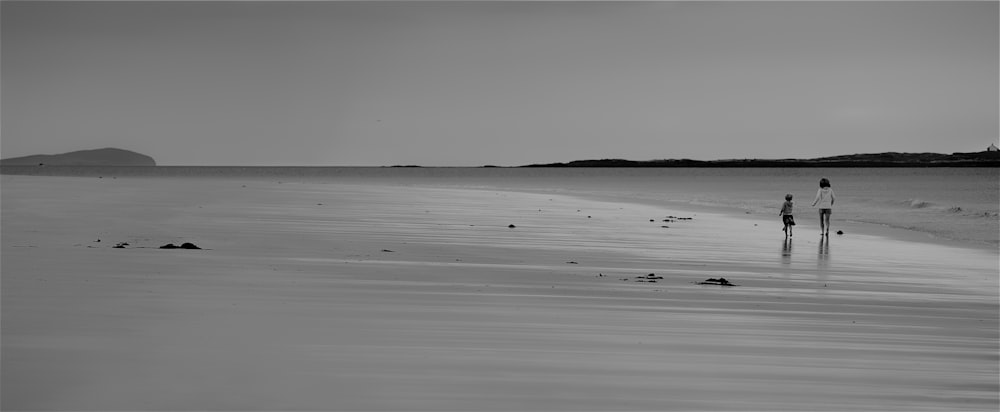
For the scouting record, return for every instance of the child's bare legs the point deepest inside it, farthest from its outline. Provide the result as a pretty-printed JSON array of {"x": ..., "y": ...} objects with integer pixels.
[
  {"x": 787, "y": 225},
  {"x": 824, "y": 221}
]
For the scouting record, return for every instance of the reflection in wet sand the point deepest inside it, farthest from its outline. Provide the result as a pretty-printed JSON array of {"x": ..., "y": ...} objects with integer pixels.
[
  {"x": 391, "y": 297},
  {"x": 823, "y": 259},
  {"x": 786, "y": 251},
  {"x": 823, "y": 263}
]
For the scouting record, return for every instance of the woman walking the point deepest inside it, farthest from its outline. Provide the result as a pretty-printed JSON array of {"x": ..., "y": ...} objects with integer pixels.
[{"x": 825, "y": 199}]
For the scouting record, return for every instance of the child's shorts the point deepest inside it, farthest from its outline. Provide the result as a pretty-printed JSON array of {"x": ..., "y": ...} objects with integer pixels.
[
  {"x": 788, "y": 220},
  {"x": 825, "y": 211}
]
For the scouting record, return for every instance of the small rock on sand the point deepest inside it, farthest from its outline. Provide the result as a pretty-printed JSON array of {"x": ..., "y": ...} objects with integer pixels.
[
  {"x": 185, "y": 245},
  {"x": 719, "y": 281}
]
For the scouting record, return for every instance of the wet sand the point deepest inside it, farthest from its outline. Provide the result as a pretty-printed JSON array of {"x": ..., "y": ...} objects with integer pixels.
[{"x": 385, "y": 297}]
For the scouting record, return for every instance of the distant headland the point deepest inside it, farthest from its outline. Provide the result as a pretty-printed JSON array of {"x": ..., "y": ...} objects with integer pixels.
[
  {"x": 988, "y": 158},
  {"x": 97, "y": 157}
]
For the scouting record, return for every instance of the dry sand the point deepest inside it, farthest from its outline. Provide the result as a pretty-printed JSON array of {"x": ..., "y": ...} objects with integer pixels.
[{"x": 381, "y": 297}]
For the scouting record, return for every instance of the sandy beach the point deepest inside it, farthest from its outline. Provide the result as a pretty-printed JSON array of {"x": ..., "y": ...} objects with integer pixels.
[{"x": 341, "y": 296}]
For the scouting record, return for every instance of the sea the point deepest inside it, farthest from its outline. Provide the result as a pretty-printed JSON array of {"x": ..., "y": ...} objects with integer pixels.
[{"x": 949, "y": 204}]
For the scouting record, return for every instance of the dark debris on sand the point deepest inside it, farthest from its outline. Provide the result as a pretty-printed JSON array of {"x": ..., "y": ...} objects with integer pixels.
[
  {"x": 672, "y": 219},
  {"x": 719, "y": 281},
  {"x": 185, "y": 245},
  {"x": 650, "y": 278}
]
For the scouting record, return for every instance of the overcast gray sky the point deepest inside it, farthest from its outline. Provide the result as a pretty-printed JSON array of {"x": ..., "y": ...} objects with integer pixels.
[{"x": 503, "y": 83}]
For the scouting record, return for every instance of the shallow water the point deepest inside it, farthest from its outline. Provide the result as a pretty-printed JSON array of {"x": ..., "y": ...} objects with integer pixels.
[{"x": 960, "y": 204}]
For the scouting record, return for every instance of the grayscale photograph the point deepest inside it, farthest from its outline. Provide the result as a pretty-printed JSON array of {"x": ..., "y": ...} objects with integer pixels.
[{"x": 499, "y": 205}]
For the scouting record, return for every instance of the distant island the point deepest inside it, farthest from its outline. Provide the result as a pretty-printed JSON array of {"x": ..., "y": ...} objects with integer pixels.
[
  {"x": 97, "y": 157},
  {"x": 889, "y": 159}
]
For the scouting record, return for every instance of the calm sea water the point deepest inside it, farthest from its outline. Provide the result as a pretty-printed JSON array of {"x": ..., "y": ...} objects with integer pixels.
[{"x": 961, "y": 204}]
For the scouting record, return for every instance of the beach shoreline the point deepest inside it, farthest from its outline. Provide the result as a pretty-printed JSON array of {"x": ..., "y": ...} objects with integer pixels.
[
  {"x": 388, "y": 296},
  {"x": 922, "y": 205},
  {"x": 807, "y": 219}
]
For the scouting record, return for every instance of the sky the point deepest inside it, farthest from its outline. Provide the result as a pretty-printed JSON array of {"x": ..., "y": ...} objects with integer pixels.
[{"x": 496, "y": 83}]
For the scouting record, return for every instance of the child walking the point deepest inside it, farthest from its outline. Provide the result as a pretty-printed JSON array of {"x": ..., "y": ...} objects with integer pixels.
[
  {"x": 786, "y": 215},
  {"x": 825, "y": 199}
]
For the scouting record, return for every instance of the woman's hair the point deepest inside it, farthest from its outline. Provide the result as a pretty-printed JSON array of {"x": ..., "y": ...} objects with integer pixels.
[
  {"x": 788, "y": 196},
  {"x": 824, "y": 182}
]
